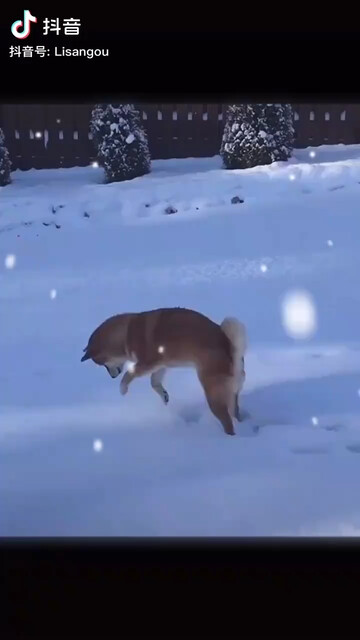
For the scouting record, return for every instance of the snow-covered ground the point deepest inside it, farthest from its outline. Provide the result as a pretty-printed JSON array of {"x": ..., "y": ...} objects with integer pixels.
[{"x": 79, "y": 459}]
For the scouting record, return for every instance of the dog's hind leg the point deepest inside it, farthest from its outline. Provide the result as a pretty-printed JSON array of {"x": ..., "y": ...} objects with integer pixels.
[
  {"x": 221, "y": 412},
  {"x": 216, "y": 393},
  {"x": 241, "y": 379},
  {"x": 237, "y": 413},
  {"x": 156, "y": 383}
]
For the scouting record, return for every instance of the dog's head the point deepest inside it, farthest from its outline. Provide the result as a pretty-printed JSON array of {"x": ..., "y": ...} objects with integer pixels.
[
  {"x": 113, "y": 366},
  {"x": 107, "y": 344}
]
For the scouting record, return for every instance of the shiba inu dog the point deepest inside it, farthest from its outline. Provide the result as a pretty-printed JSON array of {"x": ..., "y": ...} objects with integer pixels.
[{"x": 164, "y": 338}]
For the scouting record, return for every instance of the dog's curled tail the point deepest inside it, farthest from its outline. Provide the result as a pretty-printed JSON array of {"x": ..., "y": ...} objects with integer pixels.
[{"x": 236, "y": 333}]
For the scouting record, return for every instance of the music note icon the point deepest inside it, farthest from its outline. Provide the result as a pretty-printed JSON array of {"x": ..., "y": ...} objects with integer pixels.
[{"x": 16, "y": 26}]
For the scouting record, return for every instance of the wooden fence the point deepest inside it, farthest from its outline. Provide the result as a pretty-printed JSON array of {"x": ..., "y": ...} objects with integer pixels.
[{"x": 44, "y": 136}]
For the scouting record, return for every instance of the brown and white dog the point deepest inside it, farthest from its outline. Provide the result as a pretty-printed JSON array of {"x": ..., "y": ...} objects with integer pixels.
[{"x": 165, "y": 338}]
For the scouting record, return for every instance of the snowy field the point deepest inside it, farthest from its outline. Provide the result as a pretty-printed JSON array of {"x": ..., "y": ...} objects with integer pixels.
[{"x": 79, "y": 459}]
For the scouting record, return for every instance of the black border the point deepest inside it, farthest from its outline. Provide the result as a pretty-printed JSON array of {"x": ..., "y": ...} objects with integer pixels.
[
  {"x": 186, "y": 588},
  {"x": 190, "y": 65}
]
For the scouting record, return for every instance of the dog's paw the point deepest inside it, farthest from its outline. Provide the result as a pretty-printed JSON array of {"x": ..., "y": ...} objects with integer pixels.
[{"x": 241, "y": 415}]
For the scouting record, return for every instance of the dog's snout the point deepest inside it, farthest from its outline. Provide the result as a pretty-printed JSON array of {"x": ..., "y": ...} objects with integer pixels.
[{"x": 113, "y": 371}]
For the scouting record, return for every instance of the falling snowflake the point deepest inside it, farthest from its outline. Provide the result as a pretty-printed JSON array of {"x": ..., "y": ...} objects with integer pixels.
[
  {"x": 312, "y": 154},
  {"x": 292, "y": 176},
  {"x": 263, "y": 268},
  {"x": 161, "y": 349},
  {"x": 53, "y": 294},
  {"x": 10, "y": 261},
  {"x": 315, "y": 421},
  {"x": 95, "y": 165},
  {"x": 98, "y": 445},
  {"x": 359, "y": 393},
  {"x": 130, "y": 366},
  {"x": 38, "y": 134},
  {"x": 299, "y": 316},
  {"x": 330, "y": 243}
]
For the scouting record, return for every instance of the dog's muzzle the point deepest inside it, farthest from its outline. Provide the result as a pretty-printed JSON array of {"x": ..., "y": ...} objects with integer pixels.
[{"x": 114, "y": 372}]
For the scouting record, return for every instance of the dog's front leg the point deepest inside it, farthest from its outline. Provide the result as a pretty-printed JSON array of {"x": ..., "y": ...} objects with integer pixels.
[
  {"x": 136, "y": 371},
  {"x": 156, "y": 383},
  {"x": 125, "y": 381}
]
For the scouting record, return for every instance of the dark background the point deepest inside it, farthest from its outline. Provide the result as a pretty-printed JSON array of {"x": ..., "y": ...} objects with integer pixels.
[
  {"x": 187, "y": 589},
  {"x": 152, "y": 57}
]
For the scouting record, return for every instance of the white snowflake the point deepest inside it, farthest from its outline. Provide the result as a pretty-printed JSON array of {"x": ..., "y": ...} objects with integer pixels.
[
  {"x": 315, "y": 421},
  {"x": 10, "y": 261},
  {"x": 312, "y": 154},
  {"x": 38, "y": 134},
  {"x": 292, "y": 176},
  {"x": 330, "y": 243},
  {"x": 98, "y": 445},
  {"x": 161, "y": 349},
  {"x": 299, "y": 315},
  {"x": 53, "y": 294},
  {"x": 263, "y": 268},
  {"x": 95, "y": 165},
  {"x": 130, "y": 138}
]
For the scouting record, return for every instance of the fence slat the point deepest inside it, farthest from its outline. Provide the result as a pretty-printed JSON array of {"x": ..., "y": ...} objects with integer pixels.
[
  {"x": 84, "y": 148},
  {"x": 24, "y": 126},
  {"x": 166, "y": 128},
  {"x": 54, "y": 125},
  {"x": 151, "y": 125},
  {"x": 180, "y": 128},
  {"x": 212, "y": 145},
  {"x": 67, "y": 143},
  {"x": 36, "y": 122},
  {"x": 9, "y": 126},
  {"x": 350, "y": 127},
  {"x": 151, "y": 117}
]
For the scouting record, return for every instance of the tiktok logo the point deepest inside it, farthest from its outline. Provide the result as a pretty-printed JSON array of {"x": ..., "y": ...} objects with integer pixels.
[{"x": 16, "y": 26}]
